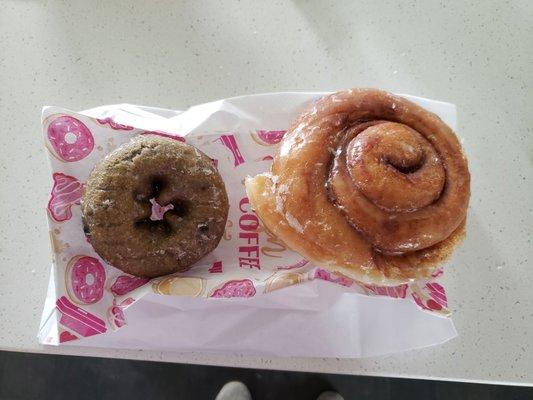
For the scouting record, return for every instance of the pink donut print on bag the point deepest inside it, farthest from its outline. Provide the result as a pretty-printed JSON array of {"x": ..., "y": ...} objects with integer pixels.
[
  {"x": 114, "y": 125},
  {"x": 242, "y": 288},
  {"x": 125, "y": 284},
  {"x": 268, "y": 138},
  {"x": 66, "y": 192},
  {"x": 70, "y": 138},
  {"x": 85, "y": 278},
  {"x": 230, "y": 142}
]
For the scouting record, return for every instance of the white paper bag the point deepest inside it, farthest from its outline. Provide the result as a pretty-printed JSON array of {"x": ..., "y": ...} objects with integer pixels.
[{"x": 256, "y": 290}]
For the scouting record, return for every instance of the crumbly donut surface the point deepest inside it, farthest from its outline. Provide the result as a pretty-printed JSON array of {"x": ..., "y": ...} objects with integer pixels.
[{"x": 118, "y": 199}]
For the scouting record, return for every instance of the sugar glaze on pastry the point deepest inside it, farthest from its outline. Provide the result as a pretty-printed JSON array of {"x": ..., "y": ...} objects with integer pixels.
[{"x": 369, "y": 185}]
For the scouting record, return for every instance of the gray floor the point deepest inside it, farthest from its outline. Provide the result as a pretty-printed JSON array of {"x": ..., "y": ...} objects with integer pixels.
[{"x": 30, "y": 376}]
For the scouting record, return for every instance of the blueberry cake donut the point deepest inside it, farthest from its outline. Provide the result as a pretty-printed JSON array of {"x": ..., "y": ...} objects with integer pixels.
[{"x": 154, "y": 206}]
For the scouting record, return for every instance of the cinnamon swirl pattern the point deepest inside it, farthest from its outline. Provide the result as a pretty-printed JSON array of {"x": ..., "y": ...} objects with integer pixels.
[{"x": 369, "y": 185}]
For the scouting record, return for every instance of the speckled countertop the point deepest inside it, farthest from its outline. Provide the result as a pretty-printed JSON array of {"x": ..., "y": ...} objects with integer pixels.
[{"x": 173, "y": 54}]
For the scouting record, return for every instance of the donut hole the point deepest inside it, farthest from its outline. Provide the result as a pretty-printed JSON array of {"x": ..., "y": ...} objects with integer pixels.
[
  {"x": 157, "y": 185},
  {"x": 158, "y": 227},
  {"x": 70, "y": 138},
  {"x": 148, "y": 189},
  {"x": 181, "y": 208},
  {"x": 89, "y": 279}
]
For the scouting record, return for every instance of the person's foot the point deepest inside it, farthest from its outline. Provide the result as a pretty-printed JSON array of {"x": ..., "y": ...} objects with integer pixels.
[
  {"x": 234, "y": 391},
  {"x": 330, "y": 396}
]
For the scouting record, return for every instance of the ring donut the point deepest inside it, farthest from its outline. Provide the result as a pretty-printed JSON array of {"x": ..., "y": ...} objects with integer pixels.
[{"x": 154, "y": 206}]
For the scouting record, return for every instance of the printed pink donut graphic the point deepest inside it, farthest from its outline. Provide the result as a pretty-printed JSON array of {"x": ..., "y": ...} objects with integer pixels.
[
  {"x": 436, "y": 299},
  {"x": 243, "y": 288},
  {"x": 116, "y": 318},
  {"x": 79, "y": 320},
  {"x": 66, "y": 192},
  {"x": 268, "y": 138},
  {"x": 125, "y": 284},
  {"x": 70, "y": 138},
  {"x": 327, "y": 276},
  {"x": 114, "y": 125},
  {"x": 397, "y": 292},
  {"x": 165, "y": 134},
  {"x": 85, "y": 279},
  {"x": 230, "y": 142}
]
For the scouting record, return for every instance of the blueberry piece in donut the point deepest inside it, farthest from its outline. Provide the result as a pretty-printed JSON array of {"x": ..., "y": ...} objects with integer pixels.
[{"x": 154, "y": 206}]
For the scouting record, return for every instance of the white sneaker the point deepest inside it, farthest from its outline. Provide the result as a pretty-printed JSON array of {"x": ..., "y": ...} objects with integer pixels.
[
  {"x": 234, "y": 391},
  {"x": 330, "y": 396}
]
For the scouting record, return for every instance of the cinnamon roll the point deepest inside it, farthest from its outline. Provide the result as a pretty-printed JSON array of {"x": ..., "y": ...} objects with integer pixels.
[{"x": 369, "y": 185}]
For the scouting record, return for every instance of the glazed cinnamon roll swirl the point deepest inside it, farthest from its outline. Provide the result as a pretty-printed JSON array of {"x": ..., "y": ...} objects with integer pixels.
[{"x": 368, "y": 185}]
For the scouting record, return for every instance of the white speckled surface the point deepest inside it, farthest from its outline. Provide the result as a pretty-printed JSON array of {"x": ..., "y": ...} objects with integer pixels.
[{"x": 477, "y": 55}]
